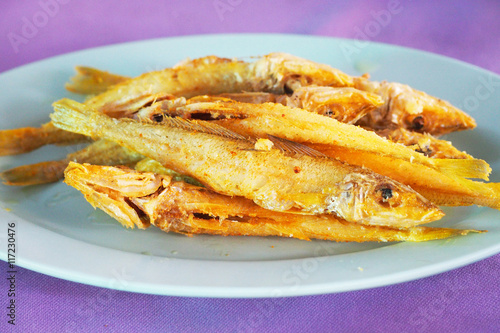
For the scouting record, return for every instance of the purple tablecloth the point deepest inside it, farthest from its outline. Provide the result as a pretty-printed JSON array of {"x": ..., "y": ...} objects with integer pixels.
[{"x": 463, "y": 300}]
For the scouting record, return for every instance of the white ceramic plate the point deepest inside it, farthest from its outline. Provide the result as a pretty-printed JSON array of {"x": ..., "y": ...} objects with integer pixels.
[{"x": 59, "y": 234}]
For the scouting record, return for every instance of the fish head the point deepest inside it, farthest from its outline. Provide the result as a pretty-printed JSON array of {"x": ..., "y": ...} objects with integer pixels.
[
  {"x": 417, "y": 111},
  {"x": 379, "y": 200}
]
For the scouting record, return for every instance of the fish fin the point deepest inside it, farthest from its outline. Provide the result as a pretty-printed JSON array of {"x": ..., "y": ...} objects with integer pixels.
[
  {"x": 90, "y": 80},
  {"x": 495, "y": 188},
  {"x": 294, "y": 148},
  {"x": 72, "y": 116},
  {"x": 203, "y": 127},
  {"x": 465, "y": 168},
  {"x": 39, "y": 173}
]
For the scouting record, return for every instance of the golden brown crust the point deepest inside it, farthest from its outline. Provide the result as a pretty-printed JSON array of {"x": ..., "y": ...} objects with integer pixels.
[{"x": 188, "y": 209}]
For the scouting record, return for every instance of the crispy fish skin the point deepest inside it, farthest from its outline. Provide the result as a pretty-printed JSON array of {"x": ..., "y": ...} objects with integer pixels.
[
  {"x": 412, "y": 109},
  {"x": 208, "y": 75},
  {"x": 275, "y": 72},
  {"x": 347, "y": 105},
  {"x": 440, "y": 187},
  {"x": 23, "y": 140},
  {"x": 301, "y": 126},
  {"x": 437, "y": 187},
  {"x": 344, "y": 104},
  {"x": 273, "y": 180},
  {"x": 282, "y": 72},
  {"x": 184, "y": 208}
]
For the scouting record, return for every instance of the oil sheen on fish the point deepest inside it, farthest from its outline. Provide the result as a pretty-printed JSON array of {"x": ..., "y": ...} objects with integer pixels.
[{"x": 229, "y": 164}]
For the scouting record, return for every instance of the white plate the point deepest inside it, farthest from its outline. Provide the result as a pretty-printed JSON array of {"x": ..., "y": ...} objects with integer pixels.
[{"x": 59, "y": 234}]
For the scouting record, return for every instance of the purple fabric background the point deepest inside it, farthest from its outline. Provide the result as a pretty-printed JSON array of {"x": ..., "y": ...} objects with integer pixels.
[{"x": 463, "y": 300}]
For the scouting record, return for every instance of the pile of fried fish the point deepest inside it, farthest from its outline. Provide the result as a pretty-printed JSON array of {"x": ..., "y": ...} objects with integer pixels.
[{"x": 276, "y": 146}]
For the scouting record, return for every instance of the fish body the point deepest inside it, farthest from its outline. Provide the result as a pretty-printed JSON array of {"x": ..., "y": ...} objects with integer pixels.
[
  {"x": 344, "y": 104},
  {"x": 353, "y": 145},
  {"x": 298, "y": 125},
  {"x": 281, "y": 73},
  {"x": 229, "y": 164},
  {"x": 275, "y": 72},
  {"x": 180, "y": 207}
]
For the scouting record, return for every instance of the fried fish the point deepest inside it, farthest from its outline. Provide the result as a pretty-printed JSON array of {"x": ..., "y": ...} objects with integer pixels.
[
  {"x": 141, "y": 199},
  {"x": 230, "y": 164}
]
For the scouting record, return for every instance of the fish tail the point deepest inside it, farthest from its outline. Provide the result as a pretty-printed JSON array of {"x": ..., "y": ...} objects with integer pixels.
[
  {"x": 464, "y": 168},
  {"x": 90, "y": 80},
  {"x": 422, "y": 234},
  {"x": 474, "y": 193},
  {"x": 26, "y": 139},
  {"x": 495, "y": 200},
  {"x": 20, "y": 140},
  {"x": 72, "y": 116},
  {"x": 39, "y": 173}
]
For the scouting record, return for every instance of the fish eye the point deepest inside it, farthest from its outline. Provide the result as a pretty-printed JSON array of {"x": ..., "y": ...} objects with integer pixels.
[
  {"x": 426, "y": 151},
  {"x": 386, "y": 193},
  {"x": 418, "y": 123},
  {"x": 158, "y": 117},
  {"x": 330, "y": 110},
  {"x": 288, "y": 90}
]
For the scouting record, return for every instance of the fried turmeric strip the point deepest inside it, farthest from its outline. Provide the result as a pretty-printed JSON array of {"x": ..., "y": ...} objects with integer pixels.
[
  {"x": 150, "y": 165},
  {"x": 141, "y": 199}
]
